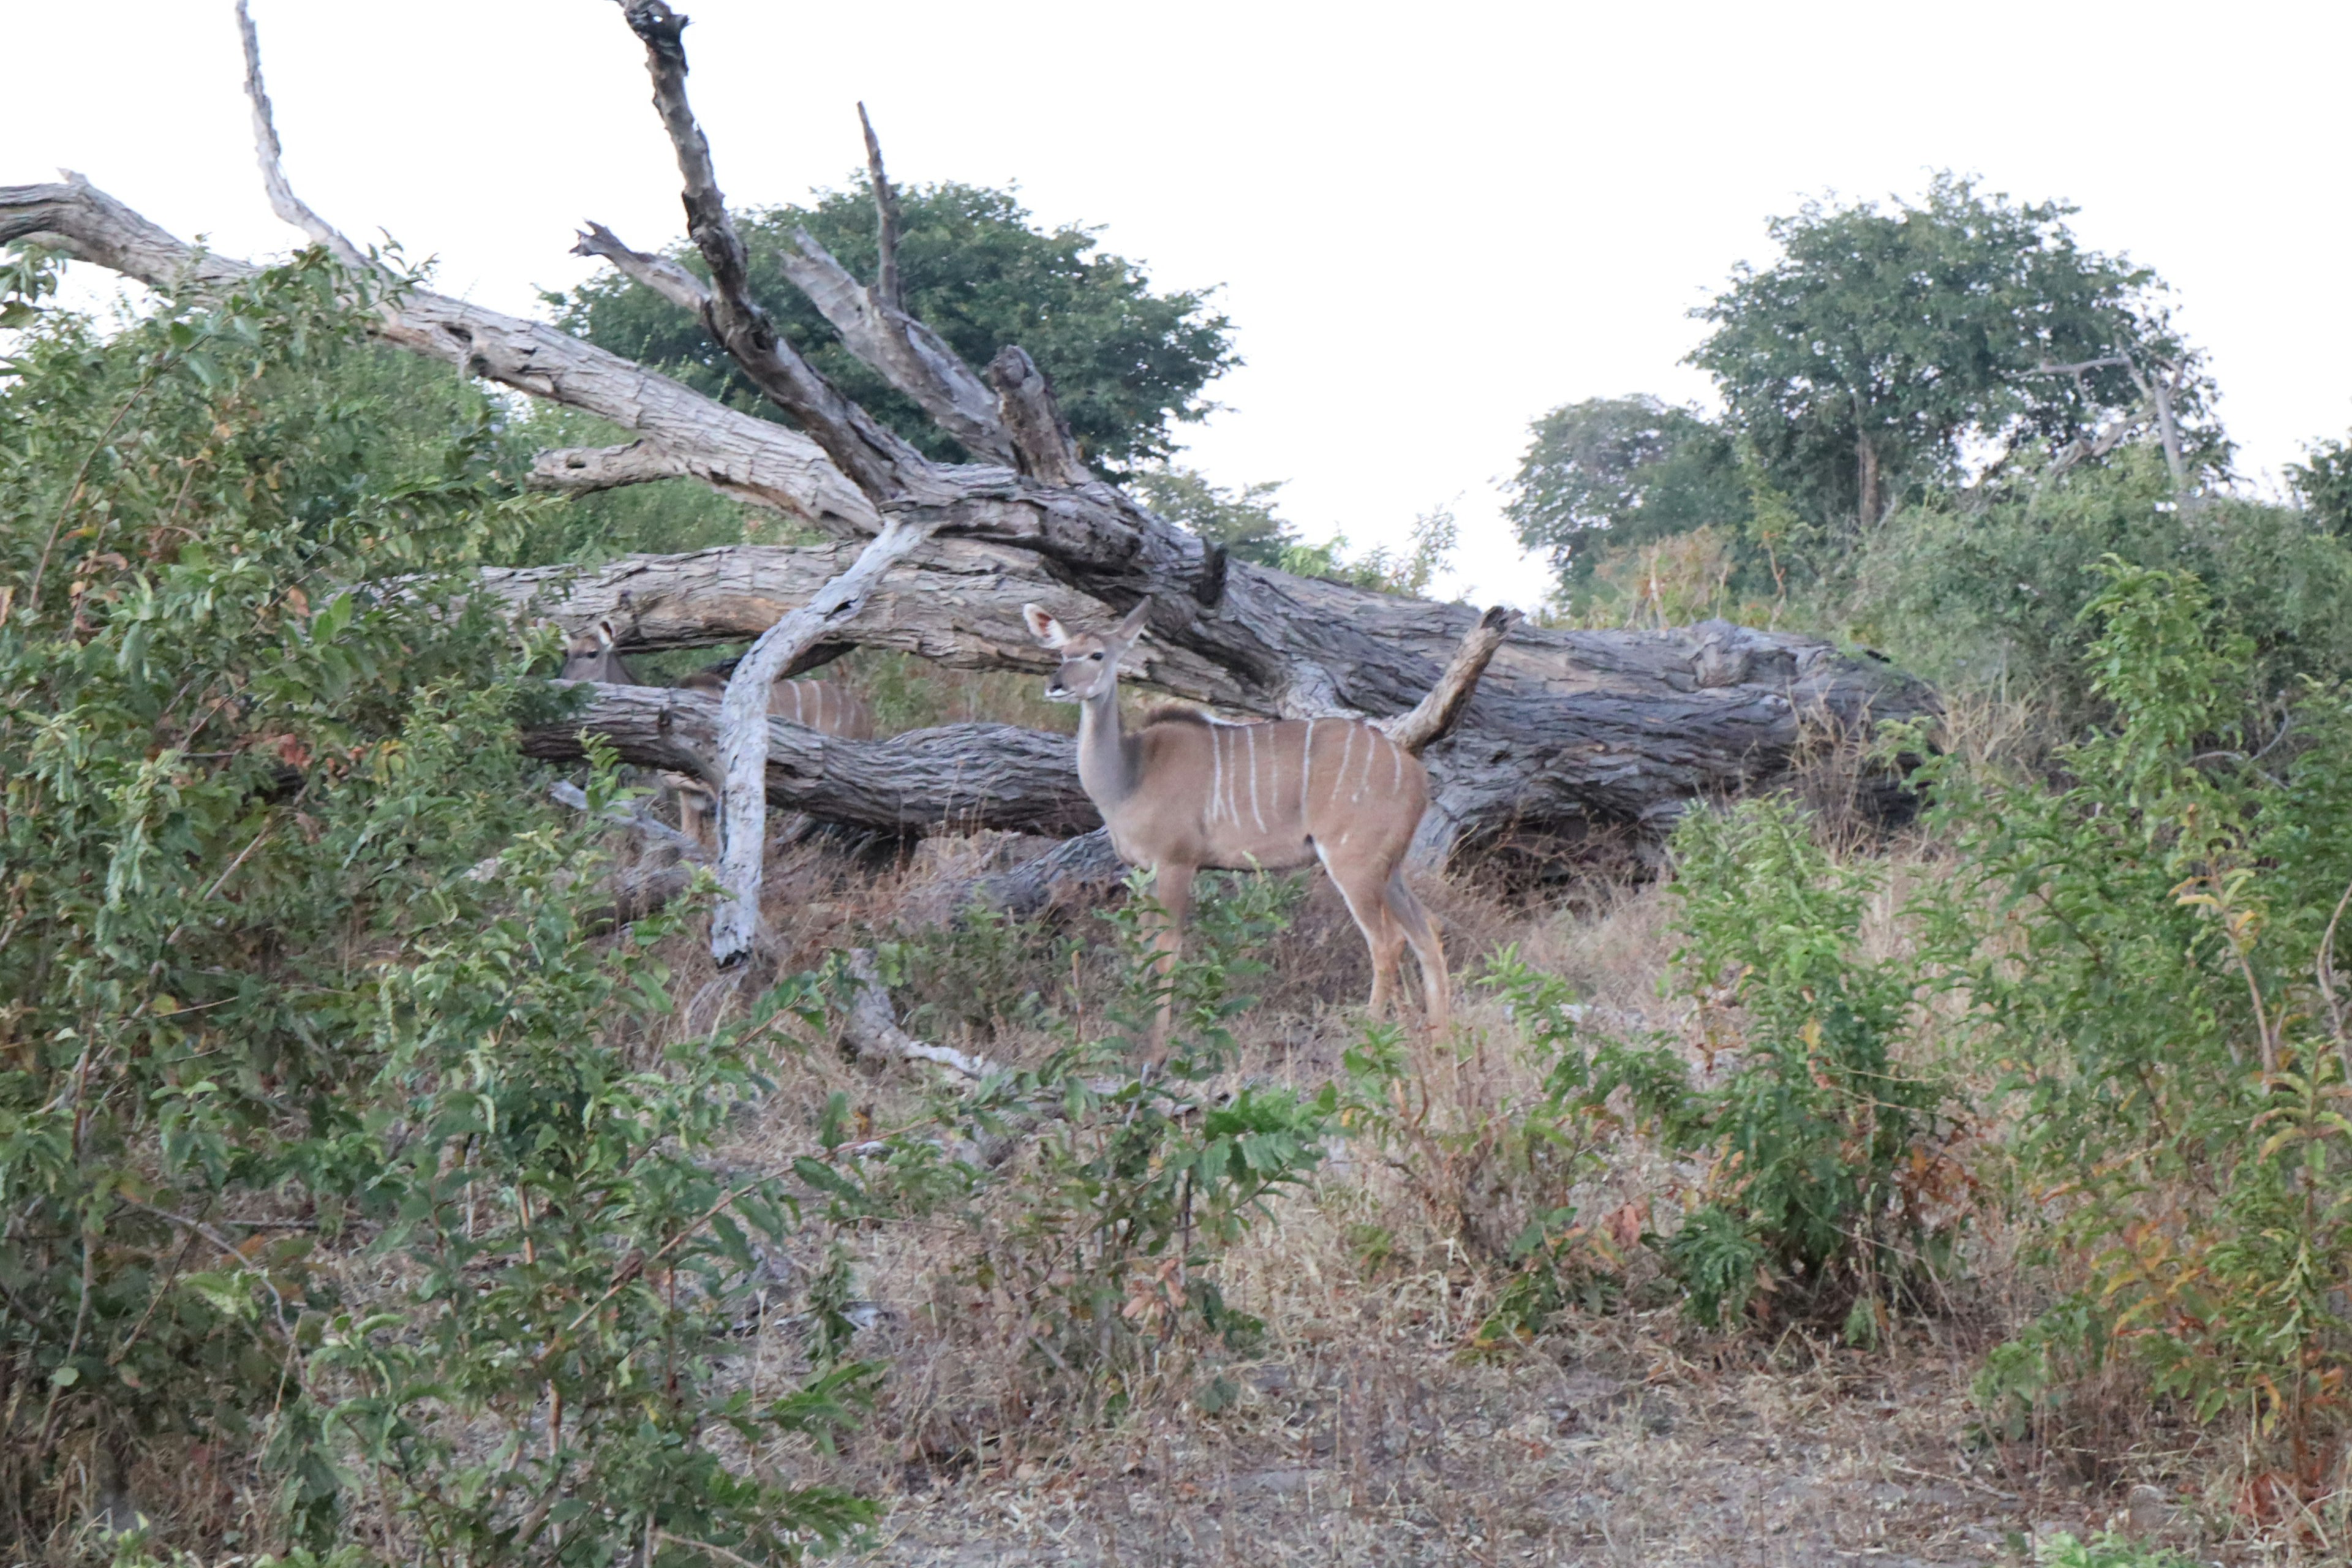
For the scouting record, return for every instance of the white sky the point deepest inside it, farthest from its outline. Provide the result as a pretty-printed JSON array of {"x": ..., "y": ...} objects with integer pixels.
[{"x": 1431, "y": 224}]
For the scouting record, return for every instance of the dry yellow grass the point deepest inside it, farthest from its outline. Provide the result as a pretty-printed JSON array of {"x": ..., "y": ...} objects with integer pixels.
[{"x": 1365, "y": 1426}]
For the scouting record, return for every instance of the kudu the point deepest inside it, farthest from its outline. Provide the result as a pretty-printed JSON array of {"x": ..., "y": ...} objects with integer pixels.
[
  {"x": 1184, "y": 791},
  {"x": 822, "y": 706}
]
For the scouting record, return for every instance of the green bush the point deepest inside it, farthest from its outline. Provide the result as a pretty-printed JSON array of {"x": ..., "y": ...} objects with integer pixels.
[
  {"x": 2147, "y": 949},
  {"x": 1993, "y": 595},
  {"x": 1820, "y": 1143},
  {"x": 292, "y": 954},
  {"x": 1100, "y": 1242}
]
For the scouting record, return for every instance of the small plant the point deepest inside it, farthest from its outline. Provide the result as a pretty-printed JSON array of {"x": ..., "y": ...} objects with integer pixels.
[
  {"x": 1101, "y": 1243},
  {"x": 1816, "y": 1137},
  {"x": 1495, "y": 1174},
  {"x": 2107, "y": 1550}
]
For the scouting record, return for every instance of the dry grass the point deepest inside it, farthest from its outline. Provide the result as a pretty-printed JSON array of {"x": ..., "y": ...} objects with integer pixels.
[{"x": 1367, "y": 1426}]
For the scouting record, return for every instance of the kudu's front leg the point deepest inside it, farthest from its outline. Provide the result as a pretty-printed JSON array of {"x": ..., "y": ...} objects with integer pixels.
[{"x": 1171, "y": 888}]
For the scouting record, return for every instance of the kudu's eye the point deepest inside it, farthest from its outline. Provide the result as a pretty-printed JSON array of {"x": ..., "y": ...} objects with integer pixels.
[{"x": 1095, "y": 656}]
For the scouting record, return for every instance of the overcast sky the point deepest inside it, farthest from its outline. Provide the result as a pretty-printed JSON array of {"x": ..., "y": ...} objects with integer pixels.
[{"x": 1430, "y": 224}]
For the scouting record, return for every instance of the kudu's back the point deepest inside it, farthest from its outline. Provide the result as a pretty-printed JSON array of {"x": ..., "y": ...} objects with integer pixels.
[{"x": 1274, "y": 795}]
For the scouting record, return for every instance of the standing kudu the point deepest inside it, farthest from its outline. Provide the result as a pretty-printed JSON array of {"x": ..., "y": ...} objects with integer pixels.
[
  {"x": 1184, "y": 791},
  {"x": 822, "y": 706}
]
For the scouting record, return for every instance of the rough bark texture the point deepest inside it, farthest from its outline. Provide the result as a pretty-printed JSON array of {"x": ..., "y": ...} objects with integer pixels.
[
  {"x": 956, "y": 778},
  {"x": 1564, "y": 729},
  {"x": 743, "y": 742}
]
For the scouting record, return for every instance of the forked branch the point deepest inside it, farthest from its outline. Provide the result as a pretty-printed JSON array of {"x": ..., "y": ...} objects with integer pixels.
[
  {"x": 880, "y": 462},
  {"x": 659, "y": 273},
  {"x": 1428, "y": 721}
]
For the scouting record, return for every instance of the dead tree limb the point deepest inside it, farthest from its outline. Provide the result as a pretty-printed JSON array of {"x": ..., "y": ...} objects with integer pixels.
[
  {"x": 290, "y": 207},
  {"x": 1564, "y": 729},
  {"x": 877, "y": 460},
  {"x": 1434, "y": 714},
  {"x": 956, "y": 778},
  {"x": 886, "y": 288},
  {"x": 744, "y": 740}
]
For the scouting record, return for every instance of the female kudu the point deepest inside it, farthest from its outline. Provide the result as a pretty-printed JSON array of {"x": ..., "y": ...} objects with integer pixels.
[
  {"x": 1185, "y": 791},
  {"x": 822, "y": 706}
]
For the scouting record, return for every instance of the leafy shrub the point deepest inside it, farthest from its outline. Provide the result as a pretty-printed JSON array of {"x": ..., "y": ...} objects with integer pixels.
[
  {"x": 1495, "y": 1174},
  {"x": 291, "y": 954},
  {"x": 2149, "y": 950},
  {"x": 1995, "y": 594},
  {"x": 1817, "y": 1139},
  {"x": 2104, "y": 1551},
  {"x": 1101, "y": 1246}
]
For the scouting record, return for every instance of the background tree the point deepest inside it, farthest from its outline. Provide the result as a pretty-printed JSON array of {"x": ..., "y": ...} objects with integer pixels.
[
  {"x": 1128, "y": 364},
  {"x": 1887, "y": 349},
  {"x": 1609, "y": 472},
  {"x": 1241, "y": 519},
  {"x": 2325, "y": 484}
]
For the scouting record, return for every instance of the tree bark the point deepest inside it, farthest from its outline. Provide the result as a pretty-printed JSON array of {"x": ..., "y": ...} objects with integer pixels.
[
  {"x": 1565, "y": 729},
  {"x": 953, "y": 779}
]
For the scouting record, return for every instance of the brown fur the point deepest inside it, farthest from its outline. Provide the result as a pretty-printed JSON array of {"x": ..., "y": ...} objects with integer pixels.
[{"x": 1184, "y": 791}]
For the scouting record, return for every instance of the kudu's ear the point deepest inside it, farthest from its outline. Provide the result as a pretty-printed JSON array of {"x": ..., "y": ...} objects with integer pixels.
[
  {"x": 1129, "y": 628},
  {"x": 1042, "y": 626},
  {"x": 605, "y": 636}
]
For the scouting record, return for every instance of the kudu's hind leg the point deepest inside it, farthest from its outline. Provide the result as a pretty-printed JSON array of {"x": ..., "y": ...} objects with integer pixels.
[
  {"x": 1419, "y": 930},
  {"x": 1381, "y": 935}
]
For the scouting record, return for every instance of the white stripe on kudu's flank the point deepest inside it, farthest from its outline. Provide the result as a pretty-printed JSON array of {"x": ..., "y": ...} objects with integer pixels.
[
  {"x": 1256, "y": 814},
  {"x": 1339, "y": 779},
  {"x": 1217, "y": 772},
  {"x": 1396, "y": 766}
]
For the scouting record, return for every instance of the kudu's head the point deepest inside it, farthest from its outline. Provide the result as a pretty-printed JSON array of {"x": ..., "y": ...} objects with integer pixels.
[
  {"x": 1089, "y": 659},
  {"x": 591, "y": 656}
]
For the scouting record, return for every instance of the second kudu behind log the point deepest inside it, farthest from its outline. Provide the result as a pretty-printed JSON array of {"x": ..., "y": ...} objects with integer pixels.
[
  {"x": 1184, "y": 792},
  {"x": 821, "y": 705}
]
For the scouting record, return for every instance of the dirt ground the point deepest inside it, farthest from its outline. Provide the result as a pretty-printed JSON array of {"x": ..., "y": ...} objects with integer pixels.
[{"x": 1581, "y": 1453}]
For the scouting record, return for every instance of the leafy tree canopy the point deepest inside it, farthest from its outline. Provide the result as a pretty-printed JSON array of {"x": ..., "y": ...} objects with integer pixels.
[
  {"x": 1126, "y": 363},
  {"x": 1614, "y": 471},
  {"x": 2325, "y": 483},
  {"x": 1887, "y": 346}
]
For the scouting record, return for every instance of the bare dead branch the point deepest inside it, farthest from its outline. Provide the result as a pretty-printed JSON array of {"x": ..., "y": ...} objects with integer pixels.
[
  {"x": 751, "y": 458},
  {"x": 870, "y": 1026},
  {"x": 880, "y": 462},
  {"x": 290, "y": 207},
  {"x": 1433, "y": 715},
  {"x": 1033, "y": 417},
  {"x": 659, "y": 273},
  {"x": 909, "y": 354},
  {"x": 886, "y": 220}
]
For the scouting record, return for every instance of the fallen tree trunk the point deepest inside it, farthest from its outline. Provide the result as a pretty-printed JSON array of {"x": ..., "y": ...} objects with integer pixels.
[
  {"x": 953, "y": 779},
  {"x": 1565, "y": 730}
]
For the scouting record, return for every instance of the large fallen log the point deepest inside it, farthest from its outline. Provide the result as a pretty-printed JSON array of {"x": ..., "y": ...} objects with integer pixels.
[
  {"x": 953, "y": 779},
  {"x": 1566, "y": 730}
]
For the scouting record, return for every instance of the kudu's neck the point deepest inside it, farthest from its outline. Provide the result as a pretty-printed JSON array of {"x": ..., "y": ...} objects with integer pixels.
[{"x": 1107, "y": 766}]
